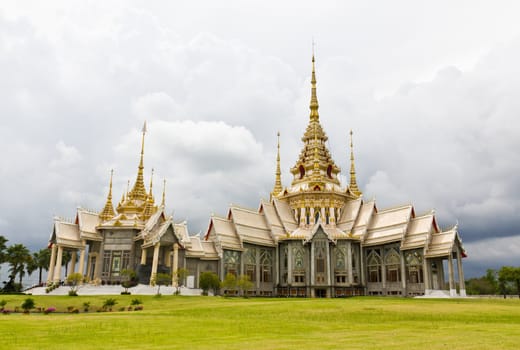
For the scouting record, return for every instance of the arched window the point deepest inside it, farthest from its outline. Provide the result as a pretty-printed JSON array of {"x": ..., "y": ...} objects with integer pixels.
[
  {"x": 266, "y": 264},
  {"x": 374, "y": 267},
  {"x": 250, "y": 264},
  {"x": 414, "y": 266},
  {"x": 393, "y": 266}
]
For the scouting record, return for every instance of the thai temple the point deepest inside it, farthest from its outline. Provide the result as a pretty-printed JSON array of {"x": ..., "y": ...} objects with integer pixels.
[{"x": 314, "y": 238}]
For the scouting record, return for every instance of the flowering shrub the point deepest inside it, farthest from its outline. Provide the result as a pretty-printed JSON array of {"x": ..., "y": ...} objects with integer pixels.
[
  {"x": 49, "y": 310},
  {"x": 138, "y": 307}
]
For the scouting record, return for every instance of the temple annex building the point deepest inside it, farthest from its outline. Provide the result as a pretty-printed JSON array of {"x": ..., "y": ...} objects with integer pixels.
[{"x": 314, "y": 238}]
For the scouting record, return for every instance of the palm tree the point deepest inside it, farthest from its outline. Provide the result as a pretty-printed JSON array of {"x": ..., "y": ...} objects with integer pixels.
[
  {"x": 3, "y": 241},
  {"x": 41, "y": 260},
  {"x": 18, "y": 257},
  {"x": 66, "y": 258}
]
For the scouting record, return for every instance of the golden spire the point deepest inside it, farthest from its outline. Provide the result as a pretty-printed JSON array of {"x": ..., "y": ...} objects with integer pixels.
[
  {"x": 314, "y": 99},
  {"x": 163, "y": 203},
  {"x": 353, "y": 184},
  {"x": 139, "y": 191},
  {"x": 278, "y": 179},
  {"x": 108, "y": 211},
  {"x": 149, "y": 208}
]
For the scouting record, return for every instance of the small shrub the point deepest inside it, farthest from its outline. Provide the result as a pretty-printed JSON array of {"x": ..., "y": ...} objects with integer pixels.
[
  {"x": 86, "y": 306},
  {"x": 129, "y": 308},
  {"x": 136, "y": 302},
  {"x": 138, "y": 308},
  {"x": 73, "y": 293},
  {"x": 122, "y": 308},
  {"x": 27, "y": 305},
  {"x": 2, "y": 304},
  {"x": 6, "y": 312},
  {"x": 109, "y": 303},
  {"x": 49, "y": 310}
]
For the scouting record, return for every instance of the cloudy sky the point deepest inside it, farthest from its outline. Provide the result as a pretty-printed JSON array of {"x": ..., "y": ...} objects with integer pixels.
[{"x": 431, "y": 90}]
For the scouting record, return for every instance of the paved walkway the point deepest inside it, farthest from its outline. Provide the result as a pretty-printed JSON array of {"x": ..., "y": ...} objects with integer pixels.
[{"x": 87, "y": 289}]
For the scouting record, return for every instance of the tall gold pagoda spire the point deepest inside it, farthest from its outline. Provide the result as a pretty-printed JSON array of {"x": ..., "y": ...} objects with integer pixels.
[
  {"x": 139, "y": 191},
  {"x": 353, "y": 183},
  {"x": 108, "y": 211},
  {"x": 315, "y": 163},
  {"x": 314, "y": 116},
  {"x": 277, "y": 189}
]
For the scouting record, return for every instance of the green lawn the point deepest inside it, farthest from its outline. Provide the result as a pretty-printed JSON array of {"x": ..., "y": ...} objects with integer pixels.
[{"x": 175, "y": 322}]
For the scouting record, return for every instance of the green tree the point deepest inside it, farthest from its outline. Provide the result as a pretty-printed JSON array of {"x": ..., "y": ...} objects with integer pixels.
[
  {"x": 130, "y": 281},
  {"x": 209, "y": 280},
  {"x": 66, "y": 257},
  {"x": 18, "y": 257},
  {"x": 244, "y": 285},
  {"x": 41, "y": 260},
  {"x": 229, "y": 284},
  {"x": 3, "y": 246},
  {"x": 509, "y": 276},
  {"x": 162, "y": 279},
  {"x": 181, "y": 275}
]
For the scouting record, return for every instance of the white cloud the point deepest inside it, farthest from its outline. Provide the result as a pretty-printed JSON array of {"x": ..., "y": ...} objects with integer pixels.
[{"x": 434, "y": 105}]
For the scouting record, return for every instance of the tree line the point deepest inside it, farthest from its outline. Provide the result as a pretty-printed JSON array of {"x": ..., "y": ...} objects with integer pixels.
[
  {"x": 505, "y": 281},
  {"x": 22, "y": 263}
]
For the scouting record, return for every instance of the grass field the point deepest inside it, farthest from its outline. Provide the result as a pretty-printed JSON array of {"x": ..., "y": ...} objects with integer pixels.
[{"x": 176, "y": 322}]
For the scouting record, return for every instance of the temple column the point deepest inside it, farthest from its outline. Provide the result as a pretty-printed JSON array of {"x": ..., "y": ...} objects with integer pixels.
[
  {"x": 323, "y": 216},
  {"x": 52, "y": 265},
  {"x": 57, "y": 271},
  {"x": 73, "y": 257},
  {"x": 155, "y": 263},
  {"x": 143, "y": 256},
  {"x": 349, "y": 263},
  {"x": 453, "y": 290},
  {"x": 426, "y": 277},
  {"x": 462, "y": 283},
  {"x": 313, "y": 269},
  {"x": 311, "y": 216},
  {"x": 303, "y": 217},
  {"x": 175, "y": 265},
  {"x": 289, "y": 264},
  {"x": 332, "y": 218},
  {"x": 328, "y": 265},
  {"x": 403, "y": 273},
  {"x": 82, "y": 262}
]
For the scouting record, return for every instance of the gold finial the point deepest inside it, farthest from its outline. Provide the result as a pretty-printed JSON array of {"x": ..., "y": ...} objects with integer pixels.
[
  {"x": 139, "y": 191},
  {"x": 108, "y": 211},
  {"x": 314, "y": 99},
  {"x": 353, "y": 183},
  {"x": 278, "y": 178},
  {"x": 163, "y": 203},
  {"x": 150, "y": 195}
]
